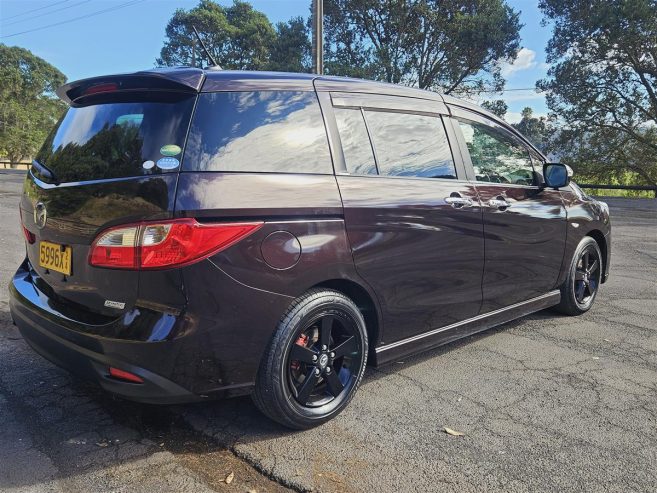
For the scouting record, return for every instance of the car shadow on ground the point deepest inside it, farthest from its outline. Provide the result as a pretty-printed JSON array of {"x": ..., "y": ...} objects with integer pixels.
[
  {"x": 82, "y": 428},
  {"x": 237, "y": 420},
  {"x": 56, "y": 426}
]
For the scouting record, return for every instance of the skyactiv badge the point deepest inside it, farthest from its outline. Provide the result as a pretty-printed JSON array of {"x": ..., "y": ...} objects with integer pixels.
[
  {"x": 168, "y": 163},
  {"x": 170, "y": 150}
]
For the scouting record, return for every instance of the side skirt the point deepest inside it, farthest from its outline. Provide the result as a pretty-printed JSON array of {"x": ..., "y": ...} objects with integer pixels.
[{"x": 444, "y": 335}]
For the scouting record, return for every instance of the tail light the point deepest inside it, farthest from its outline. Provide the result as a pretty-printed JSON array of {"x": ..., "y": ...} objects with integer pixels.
[
  {"x": 29, "y": 236},
  {"x": 166, "y": 244}
]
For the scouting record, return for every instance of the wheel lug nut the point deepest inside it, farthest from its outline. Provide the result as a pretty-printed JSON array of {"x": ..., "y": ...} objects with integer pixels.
[
  {"x": 324, "y": 347},
  {"x": 314, "y": 357},
  {"x": 328, "y": 369},
  {"x": 317, "y": 371},
  {"x": 332, "y": 355}
]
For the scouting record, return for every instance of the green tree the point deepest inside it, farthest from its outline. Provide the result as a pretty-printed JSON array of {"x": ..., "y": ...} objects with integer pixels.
[
  {"x": 603, "y": 85},
  {"x": 455, "y": 45},
  {"x": 291, "y": 48},
  {"x": 238, "y": 37},
  {"x": 346, "y": 52},
  {"x": 28, "y": 106},
  {"x": 497, "y": 107},
  {"x": 539, "y": 130}
]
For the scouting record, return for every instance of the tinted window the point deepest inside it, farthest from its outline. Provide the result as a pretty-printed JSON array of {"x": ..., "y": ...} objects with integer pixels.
[
  {"x": 496, "y": 155},
  {"x": 115, "y": 139},
  {"x": 356, "y": 145},
  {"x": 538, "y": 162},
  {"x": 410, "y": 145},
  {"x": 269, "y": 131}
]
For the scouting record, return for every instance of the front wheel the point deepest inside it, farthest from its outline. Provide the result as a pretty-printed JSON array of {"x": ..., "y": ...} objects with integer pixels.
[
  {"x": 581, "y": 286},
  {"x": 315, "y": 361}
]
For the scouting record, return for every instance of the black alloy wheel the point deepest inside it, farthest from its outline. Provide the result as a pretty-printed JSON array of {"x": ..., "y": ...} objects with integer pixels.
[
  {"x": 315, "y": 361},
  {"x": 587, "y": 276},
  {"x": 581, "y": 286},
  {"x": 324, "y": 361}
]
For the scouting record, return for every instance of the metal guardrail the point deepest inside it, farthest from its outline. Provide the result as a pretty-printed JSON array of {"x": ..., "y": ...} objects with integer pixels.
[{"x": 647, "y": 188}]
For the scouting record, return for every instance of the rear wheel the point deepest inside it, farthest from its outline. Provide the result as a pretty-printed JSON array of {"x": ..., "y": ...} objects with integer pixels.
[
  {"x": 315, "y": 361},
  {"x": 581, "y": 287}
]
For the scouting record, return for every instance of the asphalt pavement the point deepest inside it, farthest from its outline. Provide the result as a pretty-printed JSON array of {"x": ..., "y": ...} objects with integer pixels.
[{"x": 545, "y": 403}]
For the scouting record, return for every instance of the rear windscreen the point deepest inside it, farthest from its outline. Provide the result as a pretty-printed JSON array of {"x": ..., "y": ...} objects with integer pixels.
[{"x": 118, "y": 139}]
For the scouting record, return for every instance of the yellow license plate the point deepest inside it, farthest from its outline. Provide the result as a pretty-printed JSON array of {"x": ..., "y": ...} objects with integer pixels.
[{"x": 55, "y": 257}]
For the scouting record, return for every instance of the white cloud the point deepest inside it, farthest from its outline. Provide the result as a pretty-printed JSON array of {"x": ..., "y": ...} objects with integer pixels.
[
  {"x": 525, "y": 60},
  {"x": 519, "y": 96},
  {"x": 514, "y": 117}
]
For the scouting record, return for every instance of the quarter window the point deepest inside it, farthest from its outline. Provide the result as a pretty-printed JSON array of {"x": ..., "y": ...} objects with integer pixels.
[
  {"x": 410, "y": 145},
  {"x": 258, "y": 131},
  {"x": 356, "y": 144},
  {"x": 496, "y": 156}
]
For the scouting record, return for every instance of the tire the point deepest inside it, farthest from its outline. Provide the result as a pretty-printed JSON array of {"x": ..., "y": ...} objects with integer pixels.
[
  {"x": 288, "y": 370},
  {"x": 580, "y": 288}
]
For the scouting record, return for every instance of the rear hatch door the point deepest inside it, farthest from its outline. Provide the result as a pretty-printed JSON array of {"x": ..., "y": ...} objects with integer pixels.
[{"x": 112, "y": 159}]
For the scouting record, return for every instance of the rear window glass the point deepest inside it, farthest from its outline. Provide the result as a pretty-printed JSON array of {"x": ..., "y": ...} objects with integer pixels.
[
  {"x": 356, "y": 146},
  {"x": 258, "y": 131},
  {"x": 118, "y": 139},
  {"x": 410, "y": 145}
]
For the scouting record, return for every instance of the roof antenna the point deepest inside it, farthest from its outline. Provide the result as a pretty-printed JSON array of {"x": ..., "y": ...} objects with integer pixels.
[{"x": 212, "y": 60}]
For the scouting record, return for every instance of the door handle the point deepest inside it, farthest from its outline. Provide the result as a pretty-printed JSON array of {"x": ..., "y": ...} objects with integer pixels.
[
  {"x": 459, "y": 202},
  {"x": 499, "y": 203}
]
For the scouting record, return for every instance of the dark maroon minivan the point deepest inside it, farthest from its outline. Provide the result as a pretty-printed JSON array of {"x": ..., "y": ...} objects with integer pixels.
[{"x": 194, "y": 234}]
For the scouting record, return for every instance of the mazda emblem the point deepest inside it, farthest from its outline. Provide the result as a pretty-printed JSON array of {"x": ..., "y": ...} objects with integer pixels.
[{"x": 40, "y": 215}]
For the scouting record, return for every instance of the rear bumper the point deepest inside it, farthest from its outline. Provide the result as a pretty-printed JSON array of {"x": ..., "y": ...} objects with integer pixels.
[
  {"x": 84, "y": 355},
  {"x": 69, "y": 344},
  {"x": 94, "y": 366},
  {"x": 212, "y": 348}
]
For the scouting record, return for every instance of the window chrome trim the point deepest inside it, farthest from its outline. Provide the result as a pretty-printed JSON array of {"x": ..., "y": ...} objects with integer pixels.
[{"x": 388, "y": 103}]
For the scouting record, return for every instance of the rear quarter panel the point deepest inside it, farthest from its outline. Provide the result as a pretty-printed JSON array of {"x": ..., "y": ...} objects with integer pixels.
[
  {"x": 307, "y": 206},
  {"x": 236, "y": 298}
]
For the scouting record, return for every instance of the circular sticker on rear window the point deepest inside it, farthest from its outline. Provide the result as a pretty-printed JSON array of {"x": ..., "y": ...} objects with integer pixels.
[
  {"x": 147, "y": 164},
  {"x": 170, "y": 150},
  {"x": 168, "y": 163}
]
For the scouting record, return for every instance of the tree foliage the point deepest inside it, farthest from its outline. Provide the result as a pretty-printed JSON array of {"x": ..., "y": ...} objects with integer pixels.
[
  {"x": 28, "y": 107},
  {"x": 497, "y": 107},
  {"x": 451, "y": 45},
  {"x": 238, "y": 37},
  {"x": 291, "y": 49},
  {"x": 603, "y": 84},
  {"x": 538, "y": 130}
]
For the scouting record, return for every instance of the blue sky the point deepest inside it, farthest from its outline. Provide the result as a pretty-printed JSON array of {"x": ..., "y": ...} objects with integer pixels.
[{"x": 129, "y": 37}]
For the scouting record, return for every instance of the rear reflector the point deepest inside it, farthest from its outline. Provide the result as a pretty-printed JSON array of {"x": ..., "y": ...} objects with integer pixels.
[
  {"x": 124, "y": 375},
  {"x": 166, "y": 244}
]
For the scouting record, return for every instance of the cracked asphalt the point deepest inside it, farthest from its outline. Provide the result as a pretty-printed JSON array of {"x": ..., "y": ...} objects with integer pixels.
[{"x": 546, "y": 403}]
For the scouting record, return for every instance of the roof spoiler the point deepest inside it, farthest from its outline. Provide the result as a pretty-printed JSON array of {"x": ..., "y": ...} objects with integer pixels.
[{"x": 170, "y": 79}]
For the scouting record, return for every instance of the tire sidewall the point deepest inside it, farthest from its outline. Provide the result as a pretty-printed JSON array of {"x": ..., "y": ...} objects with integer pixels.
[
  {"x": 338, "y": 306},
  {"x": 586, "y": 243}
]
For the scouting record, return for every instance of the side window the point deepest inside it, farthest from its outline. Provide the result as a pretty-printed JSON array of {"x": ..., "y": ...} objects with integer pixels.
[
  {"x": 356, "y": 145},
  {"x": 410, "y": 145},
  {"x": 538, "y": 162},
  {"x": 497, "y": 156},
  {"x": 266, "y": 131}
]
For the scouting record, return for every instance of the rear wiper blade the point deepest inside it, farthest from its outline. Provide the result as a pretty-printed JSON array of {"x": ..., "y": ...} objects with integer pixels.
[{"x": 44, "y": 171}]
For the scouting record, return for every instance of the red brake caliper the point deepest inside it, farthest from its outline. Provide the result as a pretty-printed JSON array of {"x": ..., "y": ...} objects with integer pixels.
[{"x": 301, "y": 341}]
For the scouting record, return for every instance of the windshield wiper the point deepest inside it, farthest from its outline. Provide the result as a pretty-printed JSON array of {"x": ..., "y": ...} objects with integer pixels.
[{"x": 44, "y": 171}]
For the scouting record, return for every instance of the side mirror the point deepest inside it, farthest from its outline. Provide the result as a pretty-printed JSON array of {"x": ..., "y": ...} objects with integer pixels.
[{"x": 557, "y": 175}]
